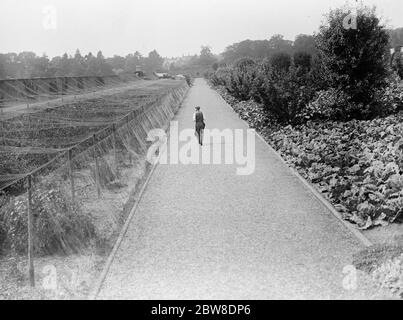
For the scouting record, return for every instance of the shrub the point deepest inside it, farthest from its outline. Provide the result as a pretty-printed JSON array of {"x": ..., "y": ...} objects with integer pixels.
[
  {"x": 331, "y": 104},
  {"x": 355, "y": 58},
  {"x": 390, "y": 100},
  {"x": 285, "y": 94},
  {"x": 244, "y": 64},
  {"x": 356, "y": 164},
  {"x": 221, "y": 76},
  {"x": 3, "y": 233},
  {"x": 302, "y": 60},
  {"x": 280, "y": 61}
]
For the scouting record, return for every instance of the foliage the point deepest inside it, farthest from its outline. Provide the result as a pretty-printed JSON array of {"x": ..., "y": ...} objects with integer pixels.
[
  {"x": 285, "y": 93},
  {"x": 390, "y": 99},
  {"x": 250, "y": 111},
  {"x": 357, "y": 165},
  {"x": 302, "y": 60},
  {"x": 355, "y": 57},
  {"x": 282, "y": 89},
  {"x": 305, "y": 43},
  {"x": 280, "y": 61},
  {"x": 347, "y": 78},
  {"x": 28, "y": 64},
  {"x": 331, "y": 104},
  {"x": 241, "y": 80},
  {"x": 60, "y": 227},
  {"x": 153, "y": 62},
  {"x": 221, "y": 76},
  {"x": 257, "y": 49},
  {"x": 206, "y": 57}
]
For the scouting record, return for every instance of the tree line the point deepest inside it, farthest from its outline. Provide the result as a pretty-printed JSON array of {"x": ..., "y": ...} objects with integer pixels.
[
  {"x": 337, "y": 74},
  {"x": 261, "y": 49},
  {"x": 29, "y": 65}
]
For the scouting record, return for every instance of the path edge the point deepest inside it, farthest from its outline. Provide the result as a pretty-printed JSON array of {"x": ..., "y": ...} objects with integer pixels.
[{"x": 356, "y": 232}]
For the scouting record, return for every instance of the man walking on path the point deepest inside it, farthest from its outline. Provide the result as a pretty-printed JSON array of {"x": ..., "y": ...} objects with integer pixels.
[
  {"x": 201, "y": 231},
  {"x": 198, "y": 118}
]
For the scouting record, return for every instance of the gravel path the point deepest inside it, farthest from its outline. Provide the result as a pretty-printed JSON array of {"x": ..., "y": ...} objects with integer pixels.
[{"x": 203, "y": 232}]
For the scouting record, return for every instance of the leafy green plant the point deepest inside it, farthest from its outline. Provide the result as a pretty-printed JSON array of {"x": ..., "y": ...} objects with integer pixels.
[
  {"x": 357, "y": 165},
  {"x": 220, "y": 77},
  {"x": 280, "y": 61},
  {"x": 390, "y": 100},
  {"x": 284, "y": 94},
  {"x": 328, "y": 104}
]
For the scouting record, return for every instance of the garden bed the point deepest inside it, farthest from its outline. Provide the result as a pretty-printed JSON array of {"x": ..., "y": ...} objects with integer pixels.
[
  {"x": 74, "y": 234},
  {"x": 358, "y": 167}
]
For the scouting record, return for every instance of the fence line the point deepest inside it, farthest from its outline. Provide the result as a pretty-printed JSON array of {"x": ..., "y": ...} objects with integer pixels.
[
  {"x": 93, "y": 153},
  {"x": 98, "y": 136}
]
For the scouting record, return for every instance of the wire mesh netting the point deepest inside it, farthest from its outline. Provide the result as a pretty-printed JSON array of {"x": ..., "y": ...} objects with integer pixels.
[
  {"x": 70, "y": 180},
  {"x": 31, "y": 140},
  {"x": 31, "y": 90}
]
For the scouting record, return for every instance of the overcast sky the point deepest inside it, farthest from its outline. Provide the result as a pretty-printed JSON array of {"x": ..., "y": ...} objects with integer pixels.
[{"x": 172, "y": 27}]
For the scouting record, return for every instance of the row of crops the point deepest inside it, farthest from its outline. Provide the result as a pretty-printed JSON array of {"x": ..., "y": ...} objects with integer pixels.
[{"x": 56, "y": 188}]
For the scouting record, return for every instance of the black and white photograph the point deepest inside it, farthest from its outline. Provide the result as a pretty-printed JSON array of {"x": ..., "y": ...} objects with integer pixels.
[{"x": 213, "y": 152}]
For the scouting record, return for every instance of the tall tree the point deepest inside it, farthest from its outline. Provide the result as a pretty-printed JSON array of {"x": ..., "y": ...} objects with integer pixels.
[
  {"x": 3, "y": 61},
  {"x": 78, "y": 64},
  {"x": 206, "y": 58},
  {"x": 355, "y": 57},
  {"x": 305, "y": 43},
  {"x": 40, "y": 67},
  {"x": 103, "y": 69},
  {"x": 277, "y": 43},
  {"x": 63, "y": 66},
  {"x": 132, "y": 61},
  {"x": 154, "y": 62},
  {"x": 116, "y": 62},
  {"x": 91, "y": 63}
]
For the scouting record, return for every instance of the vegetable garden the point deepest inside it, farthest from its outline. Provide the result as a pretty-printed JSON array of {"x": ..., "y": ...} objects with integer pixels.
[{"x": 336, "y": 117}]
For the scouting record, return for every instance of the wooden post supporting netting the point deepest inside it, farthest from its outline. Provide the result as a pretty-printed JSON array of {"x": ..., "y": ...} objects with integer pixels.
[
  {"x": 70, "y": 164},
  {"x": 115, "y": 154},
  {"x": 31, "y": 269},
  {"x": 97, "y": 181},
  {"x": 128, "y": 130}
]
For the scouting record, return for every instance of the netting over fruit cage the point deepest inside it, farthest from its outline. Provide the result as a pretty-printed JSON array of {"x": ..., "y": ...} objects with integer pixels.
[
  {"x": 31, "y": 90},
  {"x": 75, "y": 157}
]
